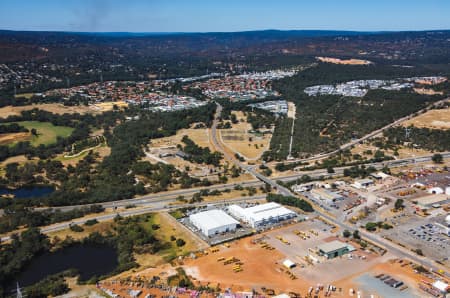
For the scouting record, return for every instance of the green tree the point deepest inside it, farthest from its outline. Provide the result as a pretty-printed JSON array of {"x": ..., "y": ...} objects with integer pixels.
[
  {"x": 398, "y": 204},
  {"x": 180, "y": 242},
  {"x": 346, "y": 233},
  {"x": 371, "y": 226},
  {"x": 437, "y": 158}
]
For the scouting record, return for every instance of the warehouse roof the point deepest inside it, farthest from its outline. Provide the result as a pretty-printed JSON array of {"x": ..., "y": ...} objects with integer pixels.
[
  {"x": 213, "y": 218},
  {"x": 263, "y": 211},
  {"x": 334, "y": 245},
  {"x": 326, "y": 194}
]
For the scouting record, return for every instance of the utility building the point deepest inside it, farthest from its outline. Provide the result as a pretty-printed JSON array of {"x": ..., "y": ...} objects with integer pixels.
[
  {"x": 326, "y": 195},
  {"x": 362, "y": 183},
  {"x": 213, "y": 222},
  {"x": 260, "y": 215},
  {"x": 334, "y": 249}
]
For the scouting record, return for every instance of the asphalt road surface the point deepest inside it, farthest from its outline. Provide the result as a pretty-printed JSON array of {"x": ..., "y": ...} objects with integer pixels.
[{"x": 158, "y": 202}]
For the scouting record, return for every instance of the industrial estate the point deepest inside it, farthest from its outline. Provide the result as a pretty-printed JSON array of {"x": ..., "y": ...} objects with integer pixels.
[{"x": 225, "y": 165}]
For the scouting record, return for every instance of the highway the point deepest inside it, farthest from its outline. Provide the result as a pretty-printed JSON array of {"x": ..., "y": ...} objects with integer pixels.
[
  {"x": 160, "y": 201},
  {"x": 151, "y": 198},
  {"x": 155, "y": 206}
]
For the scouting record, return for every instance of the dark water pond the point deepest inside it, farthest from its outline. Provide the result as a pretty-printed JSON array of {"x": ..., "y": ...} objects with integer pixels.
[
  {"x": 88, "y": 260},
  {"x": 28, "y": 192}
]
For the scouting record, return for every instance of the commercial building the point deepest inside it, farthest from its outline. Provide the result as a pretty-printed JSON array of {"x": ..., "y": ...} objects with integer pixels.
[
  {"x": 261, "y": 215},
  {"x": 213, "y": 222},
  {"x": 362, "y": 183},
  {"x": 334, "y": 249},
  {"x": 428, "y": 201},
  {"x": 380, "y": 175},
  {"x": 326, "y": 195}
]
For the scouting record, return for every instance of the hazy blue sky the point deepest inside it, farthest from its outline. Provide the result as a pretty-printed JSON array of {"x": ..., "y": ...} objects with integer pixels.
[{"x": 228, "y": 15}]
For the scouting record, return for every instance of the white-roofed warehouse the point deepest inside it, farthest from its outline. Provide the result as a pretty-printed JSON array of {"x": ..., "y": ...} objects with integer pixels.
[
  {"x": 213, "y": 222},
  {"x": 261, "y": 215}
]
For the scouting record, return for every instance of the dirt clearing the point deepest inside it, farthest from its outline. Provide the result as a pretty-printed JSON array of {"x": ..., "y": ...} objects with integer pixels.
[
  {"x": 343, "y": 61},
  {"x": 55, "y": 108},
  {"x": 240, "y": 139},
  {"x": 435, "y": 119}
]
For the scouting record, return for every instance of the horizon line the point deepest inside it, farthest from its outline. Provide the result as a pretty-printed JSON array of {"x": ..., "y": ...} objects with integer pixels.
[{"x": 241, "y": 31}]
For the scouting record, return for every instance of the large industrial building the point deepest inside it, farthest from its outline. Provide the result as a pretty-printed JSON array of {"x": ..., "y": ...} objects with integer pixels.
[
  {"x": 213, "y": 222},
  {"x": 261, "y": 215}
]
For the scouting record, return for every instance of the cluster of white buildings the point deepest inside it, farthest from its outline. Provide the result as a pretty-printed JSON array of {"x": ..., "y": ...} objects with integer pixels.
[
  {"x": 359, "y": 88},
  {"x": 197, "y": 78},
  {"x": 269, "y": 75},
  {"x": 216, "y": 221},
  {"x": 174, "y": 103},
  {"x": 274, "y": 106}
]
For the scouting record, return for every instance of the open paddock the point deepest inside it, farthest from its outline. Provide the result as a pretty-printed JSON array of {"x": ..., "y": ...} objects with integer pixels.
[
  {"x": 435, "y": 119},
  {"x": 55, "y": 108},
  {"x": 47, "y": 133},
  {"x": 240, "y": 139}
]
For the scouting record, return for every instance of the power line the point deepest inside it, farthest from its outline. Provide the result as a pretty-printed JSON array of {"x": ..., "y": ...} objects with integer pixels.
[{"x": 407, "y": 132}]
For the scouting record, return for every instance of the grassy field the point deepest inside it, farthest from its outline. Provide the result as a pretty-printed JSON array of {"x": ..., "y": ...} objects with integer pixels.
[
  {"x": 168, "y": 227},
  {"x": 103, "y": 150},
  {"x": 237, "y": 139},
  {"x": 46, "y": 132},
  {"x": 434, "y": 119},
  {"x": 55, "y": 108}
]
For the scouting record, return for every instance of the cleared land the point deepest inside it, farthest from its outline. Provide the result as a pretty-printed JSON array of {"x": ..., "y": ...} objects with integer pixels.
[
  {"x": 102, "y": 151},
  {"x": 47, "y": 133},
  {"x": 436, "y": 119},
  {"x": 18, "y": 159},
  {"x": 24, "y": 95},
  {"x": 55, "y": 108},
  {"x": 240, "y": 140},
  {"x": 403, "y": 152},
  {"x": 291, "y": 110},
  {"x": 263, "y": 267},
  {"x": 343, "y": 61},
  {"x": 427, "y": 91},
  {"x": 108, "y": 106},
  {"x": 199, "y": 136},
  {"x": 10, "y": 138},
  {"x": 170, "y": 227}
]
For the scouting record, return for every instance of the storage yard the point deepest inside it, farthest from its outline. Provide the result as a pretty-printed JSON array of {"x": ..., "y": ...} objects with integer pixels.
[{"x": 237, "y": 265}]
